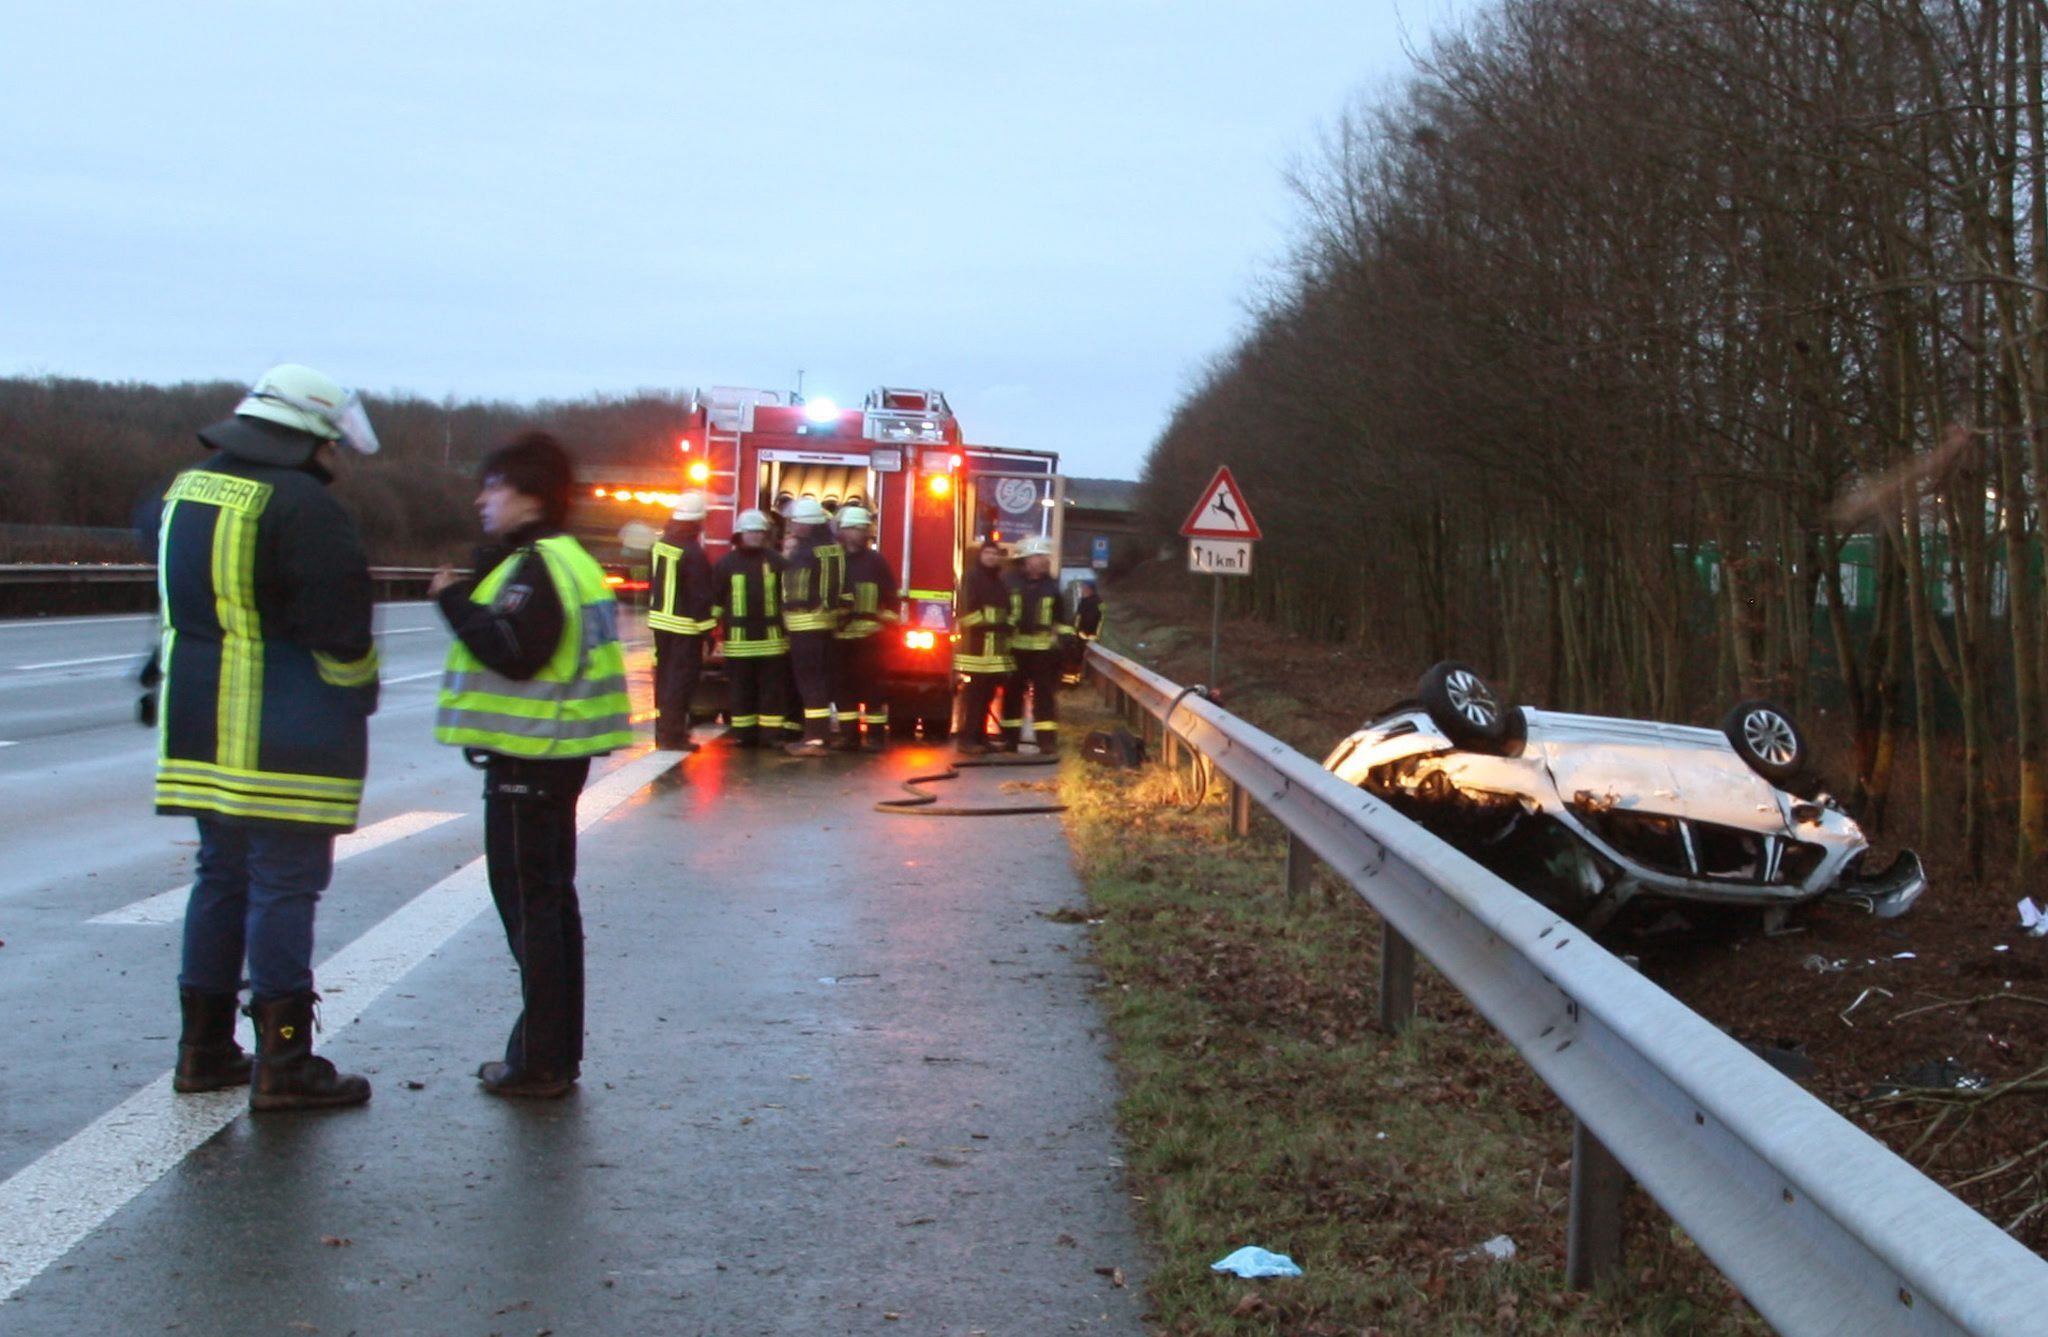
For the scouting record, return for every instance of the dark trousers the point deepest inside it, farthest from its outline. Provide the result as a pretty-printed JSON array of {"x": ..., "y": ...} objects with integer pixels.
[
  {"x": 977, "y": 694},
  {"x": 530, "y": 850},
  {"x": 678, "y": 662},
  {"x": 857, "y": 674},
  {"x": 254, "y": 894},
  {"x": 756, "y": 692},
  {"x": 1038, "y": 676},
  {"x": 810, "y": 658}
]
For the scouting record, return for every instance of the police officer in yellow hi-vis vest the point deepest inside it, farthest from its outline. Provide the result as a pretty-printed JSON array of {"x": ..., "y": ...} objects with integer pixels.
[
  {"x": 535, "y": 687},
  {"x": 269, "y": 679}
]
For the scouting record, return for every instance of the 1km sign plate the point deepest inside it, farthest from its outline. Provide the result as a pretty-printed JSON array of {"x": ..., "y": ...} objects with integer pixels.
[{"x": 1220, "y": 557}]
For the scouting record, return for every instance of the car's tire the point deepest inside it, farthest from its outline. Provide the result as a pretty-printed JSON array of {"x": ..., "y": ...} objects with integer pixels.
[
  {"x": 1765, "y": 737},
  {"x": 1462, "y": 706}
]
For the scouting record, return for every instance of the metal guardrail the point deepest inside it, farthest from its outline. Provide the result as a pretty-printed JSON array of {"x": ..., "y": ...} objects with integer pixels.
[
  {"x": 29, "y": 589},
  {"x": 1819, "y": 1225},
  {"x": 97, "y": 573}
]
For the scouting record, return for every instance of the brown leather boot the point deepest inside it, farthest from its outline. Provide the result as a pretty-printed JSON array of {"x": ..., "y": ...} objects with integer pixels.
[
  {"x": 208, "y": 1057},
  {"x": 288, "y": 1076}
]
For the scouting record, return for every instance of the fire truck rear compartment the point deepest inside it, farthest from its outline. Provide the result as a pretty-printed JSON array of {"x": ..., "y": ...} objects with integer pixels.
[{"x": 832, "y": 485}]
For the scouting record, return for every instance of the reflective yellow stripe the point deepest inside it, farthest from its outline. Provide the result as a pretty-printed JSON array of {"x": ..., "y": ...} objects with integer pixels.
[{"x": 347, "y": 672}]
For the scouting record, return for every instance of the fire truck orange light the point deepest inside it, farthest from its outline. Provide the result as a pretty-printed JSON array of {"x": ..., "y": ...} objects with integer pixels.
[
  {"x": 597, "y": 492},
  {"x": 939, "y": 484},
  {"x": 683, "y": 445},
  {"x": 699, "y": 471}
]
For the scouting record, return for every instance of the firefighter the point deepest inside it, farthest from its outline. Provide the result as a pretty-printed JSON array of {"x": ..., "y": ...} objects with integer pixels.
[
  {"x": 1087, "y": 627},
  {"x": 1038, "y": 615},
  {"x": 746, "y": 605},
  {"x": 679, "y": 615},
  {"x": 269, "y": 679},
  {"x": 871, "y": 611},
  {"x": 981, "y": 651},
  {"x": 813, "y": 602},
  {"x": 534, "y": 687}
]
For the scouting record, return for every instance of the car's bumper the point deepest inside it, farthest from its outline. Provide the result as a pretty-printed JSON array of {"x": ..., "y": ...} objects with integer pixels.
[{"x": 1887, "y": 894}]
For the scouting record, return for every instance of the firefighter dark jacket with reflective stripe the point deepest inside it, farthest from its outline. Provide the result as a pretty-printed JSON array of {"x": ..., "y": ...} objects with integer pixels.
[
  {"x": 871, "y": 595},
  {"x": 509, "y": 687},
  {"x": 1088, "y": 617},
  {"x": 747, "y": 603},
  {"x": 270, "y": 672},
  {"x": 1040, "y": 613},
  {"x": 814, "y": 586},
  {"x": 679, "y": 587},
  {"x": 981, "y": 615}
]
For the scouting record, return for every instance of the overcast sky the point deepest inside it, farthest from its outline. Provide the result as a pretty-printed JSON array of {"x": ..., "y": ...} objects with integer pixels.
[{"x": 1054, "y": 212}]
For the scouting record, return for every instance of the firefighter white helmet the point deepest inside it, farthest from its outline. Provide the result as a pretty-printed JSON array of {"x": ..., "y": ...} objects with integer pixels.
[
  {"x": 855, "y": 517},
  {"x": 1036, "y": 546},
  {"x": 750, "y": 522},
  {"x": 308, "y": 401},
  {"x": 807, "y": 511},
  {"x": 689, "y": 506}
]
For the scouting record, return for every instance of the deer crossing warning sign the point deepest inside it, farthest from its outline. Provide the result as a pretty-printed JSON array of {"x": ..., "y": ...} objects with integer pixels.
[{"x": 1221, "y": 513}]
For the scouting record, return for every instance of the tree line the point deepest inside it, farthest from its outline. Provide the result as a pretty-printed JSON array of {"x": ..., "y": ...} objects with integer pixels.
[
  {"x": 95, "y": 454},
  {"x": 1658, "y": 353}
]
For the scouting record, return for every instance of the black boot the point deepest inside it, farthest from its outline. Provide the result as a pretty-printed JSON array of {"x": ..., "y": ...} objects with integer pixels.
[
  {"x": 208, "y": 1057},
  {"x": 288, "y": 1076}
]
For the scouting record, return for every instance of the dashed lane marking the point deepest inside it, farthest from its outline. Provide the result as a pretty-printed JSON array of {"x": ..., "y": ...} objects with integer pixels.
[
  {"x": 54, "y": 1202},
  {"x": 75, "y": 663},
  {"x": 168, "y": 907}
]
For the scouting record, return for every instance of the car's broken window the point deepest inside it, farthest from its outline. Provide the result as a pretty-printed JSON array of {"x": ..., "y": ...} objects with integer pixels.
[
  {"x": 1725, "y": 852},
  {"x": 1647, "y": 838}
]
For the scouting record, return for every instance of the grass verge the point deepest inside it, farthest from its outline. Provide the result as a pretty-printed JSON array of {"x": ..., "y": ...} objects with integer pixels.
[{"x": 1263, "y": 1106}]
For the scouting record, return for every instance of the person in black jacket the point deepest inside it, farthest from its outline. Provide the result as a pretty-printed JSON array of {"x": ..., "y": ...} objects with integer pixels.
[
  {"x": 679, "y": 615},
  {"x": 745, "y": 603},
  {"x": 813, "y": 602},
  {"x": 982, "y": 616},
  {"x": 1087, "y": 627},
  {"x": 535, "y": 627},
  {"x": 269, "y": 677}
]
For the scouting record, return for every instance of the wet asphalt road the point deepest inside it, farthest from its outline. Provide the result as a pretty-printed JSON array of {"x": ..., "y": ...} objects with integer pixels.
[{"x": 840, "y": 1067}]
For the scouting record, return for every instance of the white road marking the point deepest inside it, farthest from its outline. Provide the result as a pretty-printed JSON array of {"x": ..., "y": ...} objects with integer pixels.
[
  {"x": 413, "y": 677},
  {"x": 13, "y": 624},
  {"x": 168, "y": 907},
  {"x": 55, "y": 1201},
  {"x": 73, "y": 663}
]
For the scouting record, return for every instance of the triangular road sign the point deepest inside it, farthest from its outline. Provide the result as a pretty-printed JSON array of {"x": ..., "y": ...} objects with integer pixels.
[{"x": 1221, "y": 513}]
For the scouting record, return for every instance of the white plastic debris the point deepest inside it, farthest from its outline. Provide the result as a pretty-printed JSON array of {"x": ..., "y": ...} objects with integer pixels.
[
  {"x": 1499, "y": 1249},
  {"x": 2031, "y": 917},
  {"x": 1905, "y": 956},
  {"x": 1252, "y": 1261}
]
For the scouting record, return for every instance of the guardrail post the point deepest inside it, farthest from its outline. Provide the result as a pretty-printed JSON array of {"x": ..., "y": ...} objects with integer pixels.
[
  {"x": 1300, "y": 867},
  {"x": 1240, "y": 810},
  {"x": 1397, "y": 979},
  {"x": 1593, "y": 1234}
]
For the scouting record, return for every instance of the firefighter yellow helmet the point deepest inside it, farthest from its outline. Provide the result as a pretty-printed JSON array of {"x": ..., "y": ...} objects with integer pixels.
[{"x": 309, "y": 401}]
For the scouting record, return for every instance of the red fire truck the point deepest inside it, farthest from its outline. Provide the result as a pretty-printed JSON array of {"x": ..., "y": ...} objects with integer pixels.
[{"x": 902, "y": 456}]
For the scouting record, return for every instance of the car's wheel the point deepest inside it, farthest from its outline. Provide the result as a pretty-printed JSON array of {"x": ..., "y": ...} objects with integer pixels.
[
  {"x": 1462, "y": 706},
  {"x": 1765, "y": 737}
]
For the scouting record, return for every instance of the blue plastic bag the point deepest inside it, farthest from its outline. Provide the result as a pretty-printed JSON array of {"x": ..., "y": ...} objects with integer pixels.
[{"x": 1252, "y": 1261}]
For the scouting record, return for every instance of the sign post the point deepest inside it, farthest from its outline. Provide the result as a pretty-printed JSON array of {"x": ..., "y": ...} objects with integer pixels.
[{"x": 1220, "y": 532}]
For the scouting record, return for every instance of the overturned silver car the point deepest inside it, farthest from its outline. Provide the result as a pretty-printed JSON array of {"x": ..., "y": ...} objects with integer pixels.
[{"x": 1586, "y": 812}]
